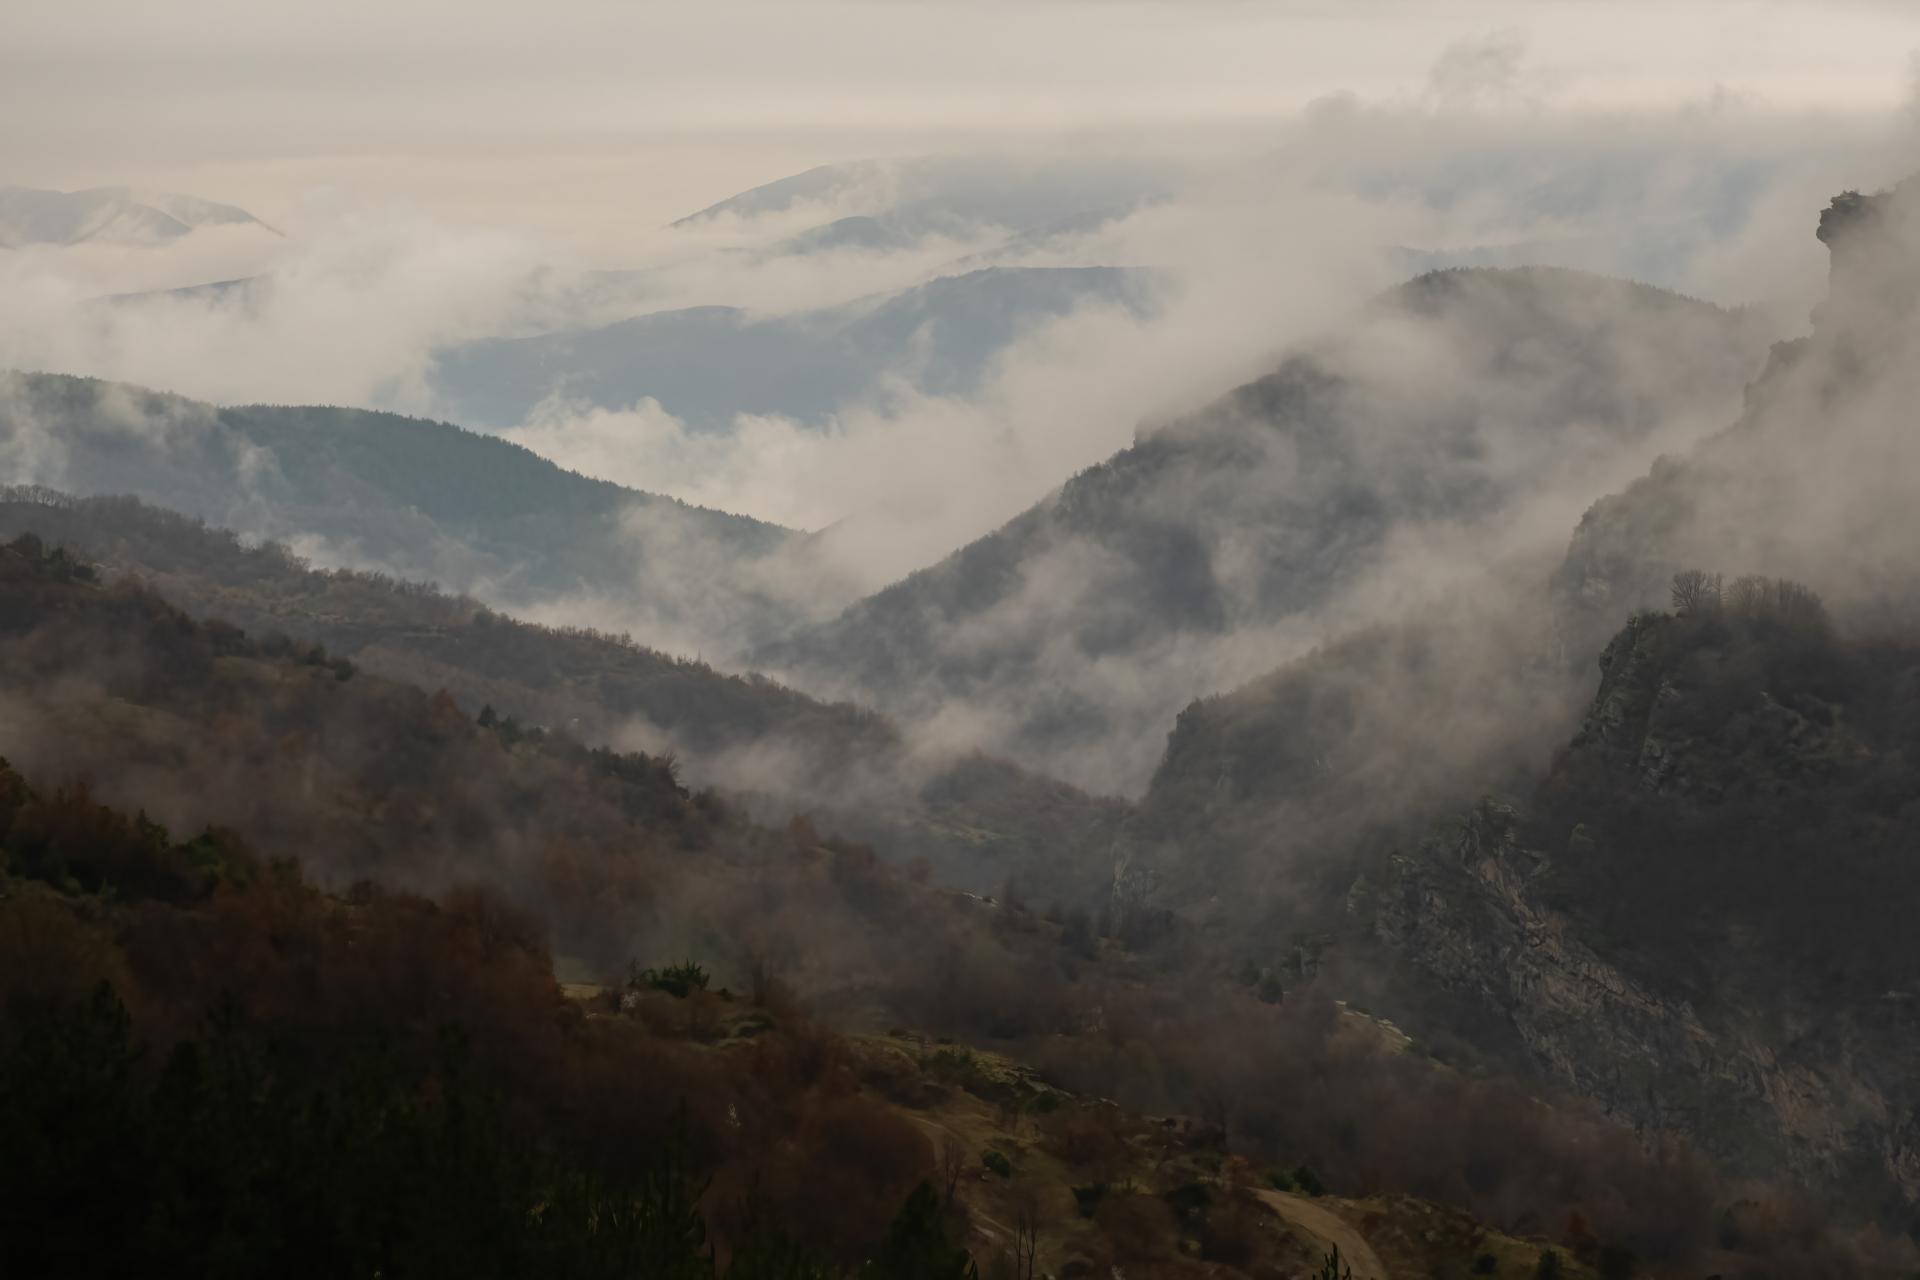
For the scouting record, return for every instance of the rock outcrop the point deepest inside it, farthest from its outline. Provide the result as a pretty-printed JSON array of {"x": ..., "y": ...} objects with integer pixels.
[
  {"x": 1814, "y": 480},
  {"x": 1642, "y": 965}
]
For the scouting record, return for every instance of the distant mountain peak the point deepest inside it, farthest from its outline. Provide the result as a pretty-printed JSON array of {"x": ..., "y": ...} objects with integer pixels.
[
  {"x": 886, "y": 203},
  {"x": 109, "y": 215}
]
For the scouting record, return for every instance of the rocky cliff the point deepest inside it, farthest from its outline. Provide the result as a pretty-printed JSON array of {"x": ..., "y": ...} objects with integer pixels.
[
  {"x": 1700, "y": 920},
  {"x": 1814, "y": 480}
]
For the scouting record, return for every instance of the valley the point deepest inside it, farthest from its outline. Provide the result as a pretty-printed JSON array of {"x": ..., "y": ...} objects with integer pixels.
[{"x": 1113, "y": 679}]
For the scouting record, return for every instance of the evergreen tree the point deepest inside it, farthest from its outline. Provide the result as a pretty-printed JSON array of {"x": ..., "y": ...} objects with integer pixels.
[{"x": 917, "y": 1248}]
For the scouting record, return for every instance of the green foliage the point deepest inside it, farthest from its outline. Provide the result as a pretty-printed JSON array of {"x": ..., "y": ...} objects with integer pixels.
[
  {"x": 1550, "y": 1267},
  {"x": 994, "y": 1162},
  {"x": 1485, "y": 1265},
  {"x": 679, "y": 980},
  {"x": 950, "y": 1063},
  {"x": 73, "y": 844},
  {"x": 1281, "y": 1180},
  {"x": 1087, "y": 1199},
  {"x": 1308, "y": 1182},
  {"x": 917, "y": 1248}
]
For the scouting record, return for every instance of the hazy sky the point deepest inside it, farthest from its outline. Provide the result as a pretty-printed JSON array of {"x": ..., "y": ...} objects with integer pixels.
[{"x": 579, "y": 119}]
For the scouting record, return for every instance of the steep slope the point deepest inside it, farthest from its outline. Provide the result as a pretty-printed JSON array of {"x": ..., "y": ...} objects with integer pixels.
[
  {"x": 170, "y": 1110},
  {"x": 1215, "y": 545},
  {"x": 707, "y": 365},
  {"x": 297, "y": 750},
  {"x": 1703, "y": 916},
  {"x": 418, "y": 499},
  {"x": 382, "y": 789},
  {"x": 1698, "y": 917},
  {"x": 1702, "y": 919},
  {"x": 978, "y": 824},
  {"x": 1269, "y": 797},
  {"x": 1814, "y": 480},
  {"x": 1699, "y": 913}
]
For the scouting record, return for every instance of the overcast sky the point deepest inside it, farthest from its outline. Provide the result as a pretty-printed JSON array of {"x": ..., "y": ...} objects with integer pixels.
[{"x": 579, "y": 118}]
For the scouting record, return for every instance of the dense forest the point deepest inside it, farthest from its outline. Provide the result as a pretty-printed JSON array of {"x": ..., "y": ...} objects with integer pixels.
[
  {"x": 348, "y": 925},
  {"x": 210, "y": 1067},
  {"x": 978, "y": 822},
  {"x": 427, "y": 871}
]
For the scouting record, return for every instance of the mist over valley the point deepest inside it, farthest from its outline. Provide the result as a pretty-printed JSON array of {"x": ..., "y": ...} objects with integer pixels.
[{"x": 829, "y": 641}]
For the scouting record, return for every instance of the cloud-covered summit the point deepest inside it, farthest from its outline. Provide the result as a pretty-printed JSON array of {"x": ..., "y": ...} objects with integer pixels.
[{"x": 109, "y": 216}]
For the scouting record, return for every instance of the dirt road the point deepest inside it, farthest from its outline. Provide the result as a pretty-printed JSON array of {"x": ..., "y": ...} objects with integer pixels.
[{"x": 1329, "y": 1229}]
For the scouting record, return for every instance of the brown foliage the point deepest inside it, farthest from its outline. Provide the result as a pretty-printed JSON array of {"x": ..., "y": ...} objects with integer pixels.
[
  {"x": 1090, "y": 1138},
  {"x": 49, "y": 957},
  {"x": 1140, "y": 1226}
]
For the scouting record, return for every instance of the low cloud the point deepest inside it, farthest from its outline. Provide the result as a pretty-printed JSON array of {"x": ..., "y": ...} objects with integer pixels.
[{"x": 1272, "y": 238}]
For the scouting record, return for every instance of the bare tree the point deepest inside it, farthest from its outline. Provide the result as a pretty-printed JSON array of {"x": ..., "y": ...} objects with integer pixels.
[
  {"x": 954, "y": 1161},
  {"x": 1026, "y": 1235},
  {"x": 1781, "y": 602},
  {"x": 1215, "y": 1108},
  {"x": 1696, "y": 591},
  {"x": 1009, "y": 1111}
]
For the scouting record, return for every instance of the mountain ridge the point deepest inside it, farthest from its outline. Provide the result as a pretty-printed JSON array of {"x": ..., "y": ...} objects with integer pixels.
[
  {"x": 423, "y": 499},
  {"x": 109, "y": 215},
  {"x": 1193, "y": 545},
  {"x": 707, "y": 365}
]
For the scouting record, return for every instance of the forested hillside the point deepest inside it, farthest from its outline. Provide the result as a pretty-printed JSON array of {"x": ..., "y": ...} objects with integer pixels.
[
  {"x": 1185, "y": 563},
  {"x": 420, "y": 500},
  {"x": 1420, "y": 917},
  {"x": 978, "y": 823},
  {"x": 210, "y": 1064},
  {"x": 1686, "y": 901},
  {"x": 1222, "y": 642},
  {"x": 383, "y": 790}
]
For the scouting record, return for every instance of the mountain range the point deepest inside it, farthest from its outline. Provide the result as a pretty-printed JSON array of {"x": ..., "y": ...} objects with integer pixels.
[
  {"x": 1179, "y": 565},
  {"x": 709, "y": 365},
  {"x": 418, "y": 499},
  {"x": 1550, "y": 866},
  {"x": 108, "y": 216},
  {"x": 945, "y": 193},
  {"x": 1684, "y": 895}
]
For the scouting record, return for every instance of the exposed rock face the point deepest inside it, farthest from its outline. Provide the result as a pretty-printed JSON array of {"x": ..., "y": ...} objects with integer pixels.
[
  {"x": 1701, "y": 917},
  {"x": 1465, "y": 909},
  {"x": 1814, "y": 481},
  {"x": 1769, "y": 1063},
  {"x": 1874, "y": 269}
]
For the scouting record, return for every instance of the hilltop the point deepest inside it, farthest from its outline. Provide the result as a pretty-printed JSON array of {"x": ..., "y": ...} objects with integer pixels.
[{"x": 417, "y": 499}]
